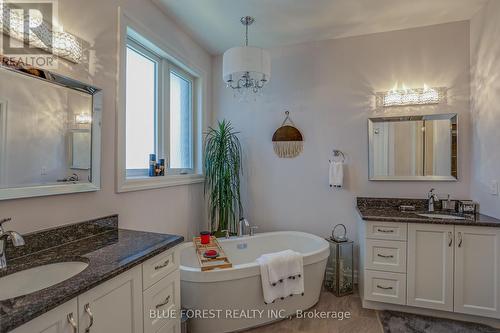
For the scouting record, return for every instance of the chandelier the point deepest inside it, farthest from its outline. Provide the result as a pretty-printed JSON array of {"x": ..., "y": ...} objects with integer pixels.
[{"x": 246, "y": 69}]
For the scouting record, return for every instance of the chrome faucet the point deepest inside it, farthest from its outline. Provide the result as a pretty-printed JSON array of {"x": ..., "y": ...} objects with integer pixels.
[
  {"x": 242, "y": 225},
  {"x": 16, "y": 239},
  {"x": 431, "y": 199}
]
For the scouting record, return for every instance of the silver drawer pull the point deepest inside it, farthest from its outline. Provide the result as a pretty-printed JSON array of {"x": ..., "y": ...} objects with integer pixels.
[
  {"x": 72, "y": 322},
  {"x": 460, "y": 239},
  {"x": 384, "y": 256},
  {"x": 385, "y": 288},
  {"x": 165, "y": 264},
  {"x": 91, "y": 317},
  {"x": 385, "y": 230},
  {"x": 450, "y": 237},
  {"x": 163, "y": 303}
]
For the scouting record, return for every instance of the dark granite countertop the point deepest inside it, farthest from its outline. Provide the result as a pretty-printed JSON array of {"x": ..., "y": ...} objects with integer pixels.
[
  {"x": 108, "y": 251},
  {"x": 387, "y": 210}
]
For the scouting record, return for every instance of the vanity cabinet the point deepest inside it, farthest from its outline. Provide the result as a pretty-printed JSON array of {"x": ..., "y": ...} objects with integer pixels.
[
  {"x": 162, "y": 292},
  {"x": 430, "y": 266},
  {"x": 445, "y": 267},
  {"x": 121, "y": 304},
  {"x": 385, "y": 262},
  {"x": 477, "y": 271}
]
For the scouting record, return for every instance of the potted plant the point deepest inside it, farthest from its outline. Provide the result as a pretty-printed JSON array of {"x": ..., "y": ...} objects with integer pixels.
[{"x": 222, "y": 168}]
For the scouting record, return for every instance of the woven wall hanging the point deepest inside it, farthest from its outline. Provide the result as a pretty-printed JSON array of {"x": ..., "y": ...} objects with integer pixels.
[{"x": 287, "y": 140}]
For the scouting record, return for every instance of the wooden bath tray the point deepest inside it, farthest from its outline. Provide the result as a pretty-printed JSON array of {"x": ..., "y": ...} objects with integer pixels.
[{"x": 207, "y": 264}]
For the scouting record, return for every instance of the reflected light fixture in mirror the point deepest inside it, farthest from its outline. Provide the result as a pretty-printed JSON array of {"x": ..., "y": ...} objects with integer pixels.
[
  {"x": 83, "y": 118},
  {"x": 414, "y": 96}
]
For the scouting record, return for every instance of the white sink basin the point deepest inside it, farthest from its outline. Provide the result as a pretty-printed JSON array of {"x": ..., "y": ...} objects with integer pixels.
[
  {"x": 442, "y": 216},
  {"x": 37, "y": 278}
]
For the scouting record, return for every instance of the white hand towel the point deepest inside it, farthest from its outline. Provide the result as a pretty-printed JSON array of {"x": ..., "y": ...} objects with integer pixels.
[
  {"x": 336, "y": 174},
  {"x": 292, "y": 265},
  {"x": 283, "y": 264}
]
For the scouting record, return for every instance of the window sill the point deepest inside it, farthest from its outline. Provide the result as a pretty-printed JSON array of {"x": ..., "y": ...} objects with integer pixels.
[{"x": 147, "y": 183}]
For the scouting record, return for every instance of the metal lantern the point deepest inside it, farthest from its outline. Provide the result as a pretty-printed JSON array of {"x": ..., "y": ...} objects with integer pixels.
[{"x": 339, "y": 276}]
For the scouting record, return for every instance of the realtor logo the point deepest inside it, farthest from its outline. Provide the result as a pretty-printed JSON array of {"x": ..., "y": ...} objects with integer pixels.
[{"x": 27, "y": 32}]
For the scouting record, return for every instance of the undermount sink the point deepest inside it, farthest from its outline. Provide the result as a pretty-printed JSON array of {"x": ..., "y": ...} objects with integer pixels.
[
  {"x": 442, "y": 216},
  {"x": 37, "y": 278}
]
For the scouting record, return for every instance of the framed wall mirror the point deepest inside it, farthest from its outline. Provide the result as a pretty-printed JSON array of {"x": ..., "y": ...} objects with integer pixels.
[
  {"x": 50, "y": 133},
  {"x": 420, "y": 148}
]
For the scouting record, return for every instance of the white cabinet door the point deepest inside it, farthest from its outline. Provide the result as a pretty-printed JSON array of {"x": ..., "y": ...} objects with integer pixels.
[
  {"x": 430, "y": 266},
  {"x": 115, "y": 305},
  {"x": 477, "y": 271},
  {"x": 54, "y": 321}
]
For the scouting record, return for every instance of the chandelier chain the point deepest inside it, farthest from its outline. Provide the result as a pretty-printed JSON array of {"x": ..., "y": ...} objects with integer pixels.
[{"x": 246, "y": 34}]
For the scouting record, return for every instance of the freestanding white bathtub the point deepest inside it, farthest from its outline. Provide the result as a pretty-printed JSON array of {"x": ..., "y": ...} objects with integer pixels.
[{"x": 229, "y": 300}]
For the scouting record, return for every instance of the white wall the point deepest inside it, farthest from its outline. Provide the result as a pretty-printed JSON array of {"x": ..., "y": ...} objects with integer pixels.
[
  {"x": 485, "y": 105},
  {"x": 328, "y": 86},
  {"x": 176, "y": 209}
]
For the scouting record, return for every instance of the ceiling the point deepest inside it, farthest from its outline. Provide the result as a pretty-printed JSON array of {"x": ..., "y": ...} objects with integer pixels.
[{"x": 215, "y": 23}]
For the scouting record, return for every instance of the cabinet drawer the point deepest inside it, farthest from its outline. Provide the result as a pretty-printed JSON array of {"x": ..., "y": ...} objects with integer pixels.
[
  {"x": 158, "y": 267},
  {"x": 383, "y": 255},
  {"x": 174, "y": 327},
  {"x": 164, "y": 297},
  {"x": 385, "y": 287},
  {"x": 386, "y": 230}
]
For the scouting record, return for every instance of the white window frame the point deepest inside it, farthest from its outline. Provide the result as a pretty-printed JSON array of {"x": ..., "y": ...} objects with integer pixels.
[
  {"x": 145, "y": 52},
  {"x": 171, "y": 68},
  {"x": 130, "y": 29},
  {"x": 3, "y": 142}
]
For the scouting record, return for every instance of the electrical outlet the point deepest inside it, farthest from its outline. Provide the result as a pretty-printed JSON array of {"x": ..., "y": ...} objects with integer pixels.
[{"x": 494, "y": 187}]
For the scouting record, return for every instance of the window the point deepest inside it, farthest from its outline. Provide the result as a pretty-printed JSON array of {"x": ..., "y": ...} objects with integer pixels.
[
  {"x": 181, "y": 125},
  {"x": 141, "y": 108},
  {"x": 158, "y": 113}
]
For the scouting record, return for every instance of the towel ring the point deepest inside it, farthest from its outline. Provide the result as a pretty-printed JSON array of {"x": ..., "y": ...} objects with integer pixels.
[{"x": 338, "y": 153}]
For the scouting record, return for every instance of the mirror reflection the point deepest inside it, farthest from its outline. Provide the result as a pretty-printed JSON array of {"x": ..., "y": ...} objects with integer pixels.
[
  {"x": 413, "y": 147},
  {"x": 45, "y": 132}
]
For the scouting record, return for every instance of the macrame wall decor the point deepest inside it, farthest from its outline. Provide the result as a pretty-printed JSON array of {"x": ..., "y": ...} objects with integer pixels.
[{"x": 287, "y": 140}]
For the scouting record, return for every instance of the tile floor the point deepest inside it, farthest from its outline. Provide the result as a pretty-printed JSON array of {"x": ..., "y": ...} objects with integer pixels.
[{"x": 362, "y": 320}]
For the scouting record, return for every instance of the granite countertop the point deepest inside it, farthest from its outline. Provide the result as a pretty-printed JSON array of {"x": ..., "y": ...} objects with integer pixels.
[
  {"x": 387, "y": 210},
  {"x": 107, "y": 249}
]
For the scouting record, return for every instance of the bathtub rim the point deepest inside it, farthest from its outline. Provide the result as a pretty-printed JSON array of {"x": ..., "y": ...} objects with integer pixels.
[{"x": 246, "y": 270}]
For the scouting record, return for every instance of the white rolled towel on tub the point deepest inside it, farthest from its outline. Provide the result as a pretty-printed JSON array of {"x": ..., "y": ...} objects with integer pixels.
[{"x": 336, "y": 174}]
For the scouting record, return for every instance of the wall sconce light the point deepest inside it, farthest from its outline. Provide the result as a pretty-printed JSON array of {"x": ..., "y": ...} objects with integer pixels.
[
  {"x": 83, "y": 119},
  {"x": 57, "y": 42},
  {"x": 408, "y": 97}
]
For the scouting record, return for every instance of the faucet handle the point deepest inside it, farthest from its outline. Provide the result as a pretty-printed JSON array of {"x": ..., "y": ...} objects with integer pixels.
[
  {"x": 245, "y": 222},
  {"x": 4, "y": 220},
  {"x": 252, "y": 229},
  {"x": 227, "y": 235}
]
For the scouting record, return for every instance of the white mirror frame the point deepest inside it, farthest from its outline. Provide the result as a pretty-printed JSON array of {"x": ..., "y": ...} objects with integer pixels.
[
  {"x": 95, "y": 172},
  {"x": 371, "y": 172}
]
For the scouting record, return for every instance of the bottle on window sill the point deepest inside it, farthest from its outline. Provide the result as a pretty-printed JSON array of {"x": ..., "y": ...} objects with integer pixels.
[
  {"x": 152, "y": 165},
  {"x": 161, "y": 167}
]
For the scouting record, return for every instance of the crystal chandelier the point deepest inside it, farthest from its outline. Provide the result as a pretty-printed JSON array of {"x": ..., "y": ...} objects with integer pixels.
[{"x": 246, "y": 69}]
